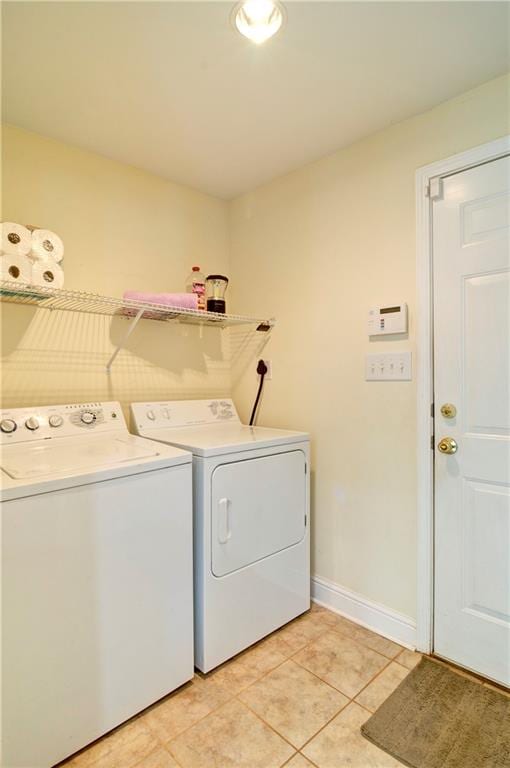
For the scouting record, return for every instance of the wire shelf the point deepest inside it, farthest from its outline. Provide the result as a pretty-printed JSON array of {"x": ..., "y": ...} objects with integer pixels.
[{"x": 80, "y": 301}]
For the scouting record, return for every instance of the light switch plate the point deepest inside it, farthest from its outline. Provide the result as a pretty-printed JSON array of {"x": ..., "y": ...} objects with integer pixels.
[{"x": 388, "y": 366}]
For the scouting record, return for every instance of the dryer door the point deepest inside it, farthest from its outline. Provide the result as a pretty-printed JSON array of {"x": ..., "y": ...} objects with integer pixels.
[{"x": 258, "y": 509}]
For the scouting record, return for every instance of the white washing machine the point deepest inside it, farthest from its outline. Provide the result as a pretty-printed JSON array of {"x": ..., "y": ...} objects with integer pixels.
[
  {"x": 251, "y": 521},
  {"x": 97, "y": 580}
]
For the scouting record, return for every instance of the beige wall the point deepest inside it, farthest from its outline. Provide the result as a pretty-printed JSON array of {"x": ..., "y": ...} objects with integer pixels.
[
  {"x": 317, "y": 248},
  {"x": 122, "y": 229}
]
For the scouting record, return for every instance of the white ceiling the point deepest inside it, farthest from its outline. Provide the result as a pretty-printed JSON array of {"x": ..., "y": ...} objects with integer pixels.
[{"x": 170, "y": 87}]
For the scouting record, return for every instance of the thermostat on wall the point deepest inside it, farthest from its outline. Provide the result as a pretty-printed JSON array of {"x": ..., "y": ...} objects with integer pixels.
[{"x": 389, "y": 319}]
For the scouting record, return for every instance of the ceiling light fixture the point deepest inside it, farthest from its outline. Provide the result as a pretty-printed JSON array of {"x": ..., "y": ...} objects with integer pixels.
[{"x": 258, "y": 20}]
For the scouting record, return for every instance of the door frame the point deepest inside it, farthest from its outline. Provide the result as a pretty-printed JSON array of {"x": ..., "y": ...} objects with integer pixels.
[{"x": 428, "y": 187}]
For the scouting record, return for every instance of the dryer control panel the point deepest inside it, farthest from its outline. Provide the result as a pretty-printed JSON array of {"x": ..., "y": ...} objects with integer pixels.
[
  {"x": 183, "y": 413},
  {"x": 19, "y": 425}
]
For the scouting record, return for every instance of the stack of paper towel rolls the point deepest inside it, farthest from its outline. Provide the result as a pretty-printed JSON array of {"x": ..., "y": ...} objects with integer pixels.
[{"x": 31, "y": 255}]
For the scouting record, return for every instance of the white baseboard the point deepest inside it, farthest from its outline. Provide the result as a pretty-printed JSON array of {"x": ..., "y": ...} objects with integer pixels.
[{"x": 391, "y": 624}]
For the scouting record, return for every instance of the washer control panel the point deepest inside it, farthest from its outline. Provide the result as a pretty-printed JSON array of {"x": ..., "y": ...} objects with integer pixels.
[
  {"x": 19, "y": 425},
  {"x": 183, "y": 413}
]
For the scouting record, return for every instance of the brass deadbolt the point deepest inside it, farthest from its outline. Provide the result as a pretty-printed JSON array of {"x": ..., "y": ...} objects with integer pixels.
[{"x": 448, "y": 410}]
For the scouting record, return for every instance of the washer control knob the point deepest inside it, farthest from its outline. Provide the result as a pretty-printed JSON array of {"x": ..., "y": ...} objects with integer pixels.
[
  {"x": 55, "y": 420},
  {"x": 8, "y": 425},
  {"x": 166, "y": 413},
  {"x": 151, "y": 415},
  {"x": 32, "y": 423},
  {"x": 87, "y": 417}
]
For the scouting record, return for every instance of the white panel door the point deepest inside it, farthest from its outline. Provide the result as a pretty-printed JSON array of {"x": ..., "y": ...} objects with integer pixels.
[
  {"x": 258, "y": 509},
  {"x": 472, "y": 373}
]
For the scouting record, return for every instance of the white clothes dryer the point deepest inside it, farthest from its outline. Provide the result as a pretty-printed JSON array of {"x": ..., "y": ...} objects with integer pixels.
[
  {"x": 251, "y": 521},
  {"x": 97, "y": 587}
]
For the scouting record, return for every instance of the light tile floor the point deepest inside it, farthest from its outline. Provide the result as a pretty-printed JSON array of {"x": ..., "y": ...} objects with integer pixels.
[{"x": 296, "y": 699}]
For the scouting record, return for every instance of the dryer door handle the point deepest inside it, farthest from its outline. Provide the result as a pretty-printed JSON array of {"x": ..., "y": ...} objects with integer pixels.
[{"x": 224, "y": 532}]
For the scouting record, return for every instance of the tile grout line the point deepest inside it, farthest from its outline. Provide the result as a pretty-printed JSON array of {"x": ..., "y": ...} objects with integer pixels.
[
  {"x": 338, "y": 631},
  {"x": 388, "y": 662},
  {"x": 350, "y": 701},
  {"x": 403, "y": 665},
  {"x": 327, "y": 628},
  {"x": 372, "y": 680},
  {"x": 219, "y": 706},
  {"x": 307, "y": 742},
  {"x": 324, "y": 682},
  {"x": 71, "y": 759},
  {"x": 309, "y": 760},
  {"x": 161, "y": 745},
  {"x": 258, "y": 679},
  {"x": 287, "y": 762},
  {"x": 310, "y": 642},
  {"x": 246, "y": 706},
  {"x": 365, "y": 645},
  {"x": 259, "y": 717},
  {"x": 166, "y": 745},
  {"x": 172, "y": 756},
  {"x": 362, "y": 706}
]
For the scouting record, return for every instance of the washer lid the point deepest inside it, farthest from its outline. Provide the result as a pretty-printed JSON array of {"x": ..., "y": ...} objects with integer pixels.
[
  {"x": 68, "y": 455},
  {"x": 218, "y": 439}
]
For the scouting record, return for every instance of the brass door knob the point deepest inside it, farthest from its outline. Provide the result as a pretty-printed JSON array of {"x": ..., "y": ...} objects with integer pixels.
[
  {"x": 448, "y": 410},
  {"x": 447, "y": 445}
]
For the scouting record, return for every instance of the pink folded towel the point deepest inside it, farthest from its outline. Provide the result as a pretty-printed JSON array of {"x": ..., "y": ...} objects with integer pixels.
[{"x": 178, "y": 300}]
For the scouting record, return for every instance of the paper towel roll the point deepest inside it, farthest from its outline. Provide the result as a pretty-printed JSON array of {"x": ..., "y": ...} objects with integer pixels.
[
  {"x": 47, "y": 273},
  {"x": 16, "y": 268},
  {"x": 16, "y": 239},
  {"x": 46, "y": 243}
]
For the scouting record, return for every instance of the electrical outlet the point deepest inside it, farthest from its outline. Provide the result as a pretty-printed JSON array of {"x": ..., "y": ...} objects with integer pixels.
[
  {"x": 269, "y": 366},
  {"x": 388, "y": 366}
]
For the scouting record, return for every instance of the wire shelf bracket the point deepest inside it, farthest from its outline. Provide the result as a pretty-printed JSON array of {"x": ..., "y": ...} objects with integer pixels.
[{"x": 123, "y": 341}]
